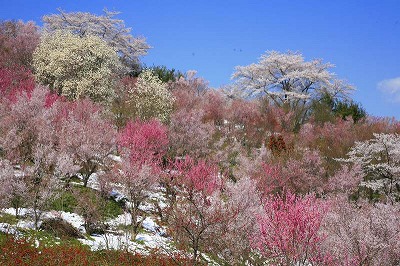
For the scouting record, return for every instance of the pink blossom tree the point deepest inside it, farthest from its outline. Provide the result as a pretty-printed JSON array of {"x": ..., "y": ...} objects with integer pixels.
[
  {"x": 142, "y": 146},
  {"x": 214, "y": 107},
  {"x": 13, "y": 187},
  {"x": 346, "y": 180},
  {"x": 87, "y": 136},
  {"x": 289, "y": 230},
  {"x": 362, "y": 234},
  {"x": 15, "y": 81},
  {"x": 302, "y": 173},
  {"x": 189, "y": 135},
  {"x": 241, "y": 205},
  {"x": 29, "y": 140},
  {"x": 306, "y": 174},
  {"x": 197, "y": 213},
  {"x": 18, "y": 40},
  {"x": 245, "y": 122}
]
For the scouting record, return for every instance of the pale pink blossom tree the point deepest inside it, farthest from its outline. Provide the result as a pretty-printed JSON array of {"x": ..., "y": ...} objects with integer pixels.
[
  {"x": 18, "y": 40},
  {"x": 241, "y": 203},
  {"x": 87, "y": 136},
  {"x": 29, "y": 140},
  {"x": 362, "y": 234},
  {"x": 13, "y": 188},
  {"x": 189, "y": 135}
]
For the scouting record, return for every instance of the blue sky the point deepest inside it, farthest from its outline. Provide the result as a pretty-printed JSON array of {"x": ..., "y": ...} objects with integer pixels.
[{"x": 361, "y": 38}]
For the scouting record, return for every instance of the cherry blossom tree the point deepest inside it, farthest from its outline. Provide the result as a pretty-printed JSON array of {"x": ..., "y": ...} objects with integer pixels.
[
  {"x": 241, "y": 206},
  {"x": 13, "y": 187},
  {"x": 29, "y": 140},
  {"x": 188, "y": 92},
  {"x": 300, "y": 173},
  {"x": 332, "y": 140},
  {"x": 215, "y": 104},
  {"x": 189, "y": 135},
  {"x": 304, "y": 175},
  {"x": 245, "y": 122},
  {"x": 289, "y": 230},
  {"x": 346, "y": 180},
  {"x": 362, "y": 234},
  {"x": 289, "y": 81},
  {"x": 112, "y": 30},
  {"x": 379, "y": 158},
  {"x": 87, "y": 136}
]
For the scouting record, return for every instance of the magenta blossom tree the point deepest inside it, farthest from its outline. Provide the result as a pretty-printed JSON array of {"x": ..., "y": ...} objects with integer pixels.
[
  {"x": 197, "y": 214},
  {"x": 142, "y": 146},
  {"x": 289, "y": 230}
]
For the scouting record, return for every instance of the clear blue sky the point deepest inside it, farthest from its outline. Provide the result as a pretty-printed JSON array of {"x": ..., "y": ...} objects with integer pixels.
[{"x": 362, "y": 38}]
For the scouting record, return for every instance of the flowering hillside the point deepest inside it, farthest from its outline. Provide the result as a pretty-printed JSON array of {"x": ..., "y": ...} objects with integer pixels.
[{"x": 122, "y": 164}]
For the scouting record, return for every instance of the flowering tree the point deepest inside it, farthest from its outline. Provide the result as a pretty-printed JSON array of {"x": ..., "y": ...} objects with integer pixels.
[
  {"x": 142, "y": 146},
  {"x": 15, "y": 81},
  {"x": 29, "y": 140},
  {"x": 245, "y": 122},
  {"x": 13, "y": 187},
  {"x": 214, "y": 107},
  {"x": 150, "y": 97},
  {"x": 87, "y": 136},
  {"x": 288, "y": 80},
  {"x": 189, "y": 135},
  {"x": 302, "y": 174},
  {"x": 110, "y": 29},
  {"x": 345, "y": 180},
  {"x": 362, "y": 234},
  {"x": 198, "y": 213},
  {"x": 380, "y": 160},
  {"x": 76, "y": 67},
  {"x": 289, "y": 230},
  {"x": 241, "y": 206},
  {"x": 18, "y": 40},
  {"x": 306, "y": 174}
]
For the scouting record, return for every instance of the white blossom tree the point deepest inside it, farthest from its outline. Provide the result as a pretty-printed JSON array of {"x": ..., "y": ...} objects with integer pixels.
[
  {"x": 112, "y": 30},
  {"x": 150, "y": 98},
  {"x": 288, "y": 80},
  {"x": 76, "y": 67},
  {"x": 379, "y": 158}
]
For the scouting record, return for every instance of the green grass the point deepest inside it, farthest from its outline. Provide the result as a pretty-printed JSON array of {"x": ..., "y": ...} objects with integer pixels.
[
  {"x": 8, "y": 219},
  {"x": 67, "y": 202},
  {"x": 112, "y": 208}
]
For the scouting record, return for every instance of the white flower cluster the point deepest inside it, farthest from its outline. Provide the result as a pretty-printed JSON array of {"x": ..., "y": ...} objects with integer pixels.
[
  {"x": 380, "y": 159},
  {"x": 76, "y": 67},
  {"x": 151, "y": 98},
  {"x": 287, "y": 78}
]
